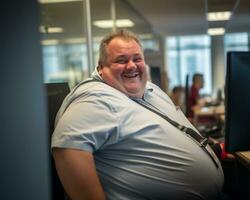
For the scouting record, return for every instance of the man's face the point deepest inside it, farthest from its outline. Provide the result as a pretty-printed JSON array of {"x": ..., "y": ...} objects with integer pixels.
[{"x": 125, "y": 68}]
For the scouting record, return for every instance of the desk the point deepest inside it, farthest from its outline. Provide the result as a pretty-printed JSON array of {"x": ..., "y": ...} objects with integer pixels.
[
  {"x": 211, "y": 111},
  {"x": 237, "y": 176},
  {"x": 243, "y": 172},
  {"x": 244, "y": 158}
]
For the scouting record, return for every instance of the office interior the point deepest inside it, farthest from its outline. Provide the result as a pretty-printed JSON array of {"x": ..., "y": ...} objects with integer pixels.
[{"x": 50, "y": 41}]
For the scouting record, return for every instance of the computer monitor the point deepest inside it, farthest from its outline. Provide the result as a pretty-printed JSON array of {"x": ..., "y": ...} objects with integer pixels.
[{"x": 237, "y": 102}]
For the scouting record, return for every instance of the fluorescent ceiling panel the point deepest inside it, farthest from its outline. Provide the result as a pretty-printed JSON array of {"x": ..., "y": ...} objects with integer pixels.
[
  {"x": 218, "y": 16},
  {"x": 56, "y": 1},
  {"x": 216, "y": 31},
  {"x": 44, "y": 29},
  {"x": 49, "y": 42},
  {"x": 109, "y": 23}
]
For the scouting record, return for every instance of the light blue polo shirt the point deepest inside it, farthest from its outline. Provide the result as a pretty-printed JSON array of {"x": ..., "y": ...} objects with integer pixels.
[{"x": 138, "y": 155}]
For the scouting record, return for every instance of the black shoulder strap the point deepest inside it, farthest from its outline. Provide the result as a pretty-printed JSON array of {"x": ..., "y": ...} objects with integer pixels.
[{"x": 199, "y": 138}]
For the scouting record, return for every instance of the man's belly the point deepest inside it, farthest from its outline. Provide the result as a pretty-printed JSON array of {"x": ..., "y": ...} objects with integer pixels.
[{"x": 146, "y": 167}]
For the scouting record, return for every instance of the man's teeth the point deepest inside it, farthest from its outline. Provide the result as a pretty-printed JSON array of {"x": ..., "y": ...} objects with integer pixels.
[{"x": 130, "y": 75}]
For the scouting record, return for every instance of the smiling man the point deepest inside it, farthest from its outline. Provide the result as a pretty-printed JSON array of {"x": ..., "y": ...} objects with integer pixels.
[
  {"x": 114, "y": 140},
  {"x": 124, "y": 67}
]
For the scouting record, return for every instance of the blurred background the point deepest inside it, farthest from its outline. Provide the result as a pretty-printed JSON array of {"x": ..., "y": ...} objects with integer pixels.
[
  {"x": 51, "y": 41},
  {"x": 180, "y": 37}
]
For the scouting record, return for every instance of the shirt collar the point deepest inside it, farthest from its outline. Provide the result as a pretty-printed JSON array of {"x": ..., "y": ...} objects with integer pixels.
[{"x": 96, "y": 75}]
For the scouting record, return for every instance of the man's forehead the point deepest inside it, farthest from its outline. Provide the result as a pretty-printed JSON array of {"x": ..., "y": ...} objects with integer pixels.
[
  {"x": 123, "y": 42},
  {"x": 124, "y": 49}
]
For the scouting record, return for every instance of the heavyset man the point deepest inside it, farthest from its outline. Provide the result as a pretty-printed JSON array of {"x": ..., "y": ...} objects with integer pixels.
[{"x": 113, "y": 140}]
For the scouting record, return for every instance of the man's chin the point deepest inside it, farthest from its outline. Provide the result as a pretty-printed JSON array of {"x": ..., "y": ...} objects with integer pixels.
[{"x": 134, "y": 92}]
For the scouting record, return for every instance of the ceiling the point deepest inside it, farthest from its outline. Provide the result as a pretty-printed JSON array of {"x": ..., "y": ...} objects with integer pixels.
[
  {"x": 182, "y": 17},
  {"x": 164, "y": 17}
]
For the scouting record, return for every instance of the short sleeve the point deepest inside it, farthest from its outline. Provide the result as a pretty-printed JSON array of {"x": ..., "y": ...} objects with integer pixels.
[{"x": 87, "y": 124}]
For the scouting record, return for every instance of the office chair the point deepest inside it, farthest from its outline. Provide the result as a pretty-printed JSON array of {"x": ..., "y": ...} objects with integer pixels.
[{"x": 56, "y": 92}]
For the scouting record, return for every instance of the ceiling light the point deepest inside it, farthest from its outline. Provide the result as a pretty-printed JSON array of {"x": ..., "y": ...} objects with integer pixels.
[
  {"x": 49, "y": 42},
  {"x": 110, "y": 24},
  {"x": 74, "y": 40},
  {"x": 216, "y": 31},
  {"x": 47, "y": 29},
  {"x": 56, "y": 1},
  {"x": 218, "y": 16},
  {"x": 64, "y": 41}
]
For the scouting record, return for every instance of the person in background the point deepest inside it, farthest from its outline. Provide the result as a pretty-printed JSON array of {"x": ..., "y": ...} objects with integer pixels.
[
  {"x": 177, "y": 96},
  {"x": 112, "y": 139},
  {"x": 194, "y": 99}
]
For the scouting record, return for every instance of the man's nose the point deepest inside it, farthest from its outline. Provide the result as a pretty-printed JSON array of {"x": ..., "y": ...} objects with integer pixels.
[{"x": 131, "y": 65}]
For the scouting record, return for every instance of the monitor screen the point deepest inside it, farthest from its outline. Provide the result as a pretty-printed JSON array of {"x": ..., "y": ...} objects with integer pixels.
[{"x": 237, "y": 102}]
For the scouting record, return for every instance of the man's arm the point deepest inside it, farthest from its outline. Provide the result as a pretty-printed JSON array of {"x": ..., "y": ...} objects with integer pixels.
[{"x": 77, "y": 173}]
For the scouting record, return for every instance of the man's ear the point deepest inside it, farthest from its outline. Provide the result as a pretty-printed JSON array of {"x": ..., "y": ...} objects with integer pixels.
[{"x": 99, "y": 68}]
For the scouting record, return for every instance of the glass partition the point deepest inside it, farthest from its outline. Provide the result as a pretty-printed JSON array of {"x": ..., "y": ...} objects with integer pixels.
[
  {"x": 63, "y": 34},
  {"x": 236, "y": 42},
  {"x": 63, "y": 42},
  {"x": 189, "y": 55}
]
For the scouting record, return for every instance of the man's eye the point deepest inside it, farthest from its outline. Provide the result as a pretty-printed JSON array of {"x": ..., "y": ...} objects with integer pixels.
[
  {"x": 121, "y": 61},
  {"x": 139, "y": 59}
]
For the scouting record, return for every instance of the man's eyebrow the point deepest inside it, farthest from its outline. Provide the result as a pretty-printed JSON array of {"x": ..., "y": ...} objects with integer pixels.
[
  {"x": 121, "y": 57},
  {"x": 137, "y": 54},
  {"x": 126, "y": 56}
]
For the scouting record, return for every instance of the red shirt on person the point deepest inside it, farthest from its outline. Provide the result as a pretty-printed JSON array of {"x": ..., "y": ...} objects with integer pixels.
[{"x": 192, "y": 100}]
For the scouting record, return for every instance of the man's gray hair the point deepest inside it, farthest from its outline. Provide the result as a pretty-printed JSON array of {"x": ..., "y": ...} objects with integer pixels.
[{"x": 123, "y": 34}]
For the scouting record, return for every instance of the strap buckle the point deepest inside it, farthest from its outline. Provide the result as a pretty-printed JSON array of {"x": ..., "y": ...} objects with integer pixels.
[{"x": 204, "y": 142}]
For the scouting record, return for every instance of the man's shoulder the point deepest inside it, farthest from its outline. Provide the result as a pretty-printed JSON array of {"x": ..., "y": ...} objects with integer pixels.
[
  {"x": 98, "y": 92},
  {"x": 96, "y": 88},
  {"x": 96, "y": 95}
]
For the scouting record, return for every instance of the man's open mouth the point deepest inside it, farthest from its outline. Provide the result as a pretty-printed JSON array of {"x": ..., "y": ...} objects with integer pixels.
[{"x": 132, "y": 75}]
